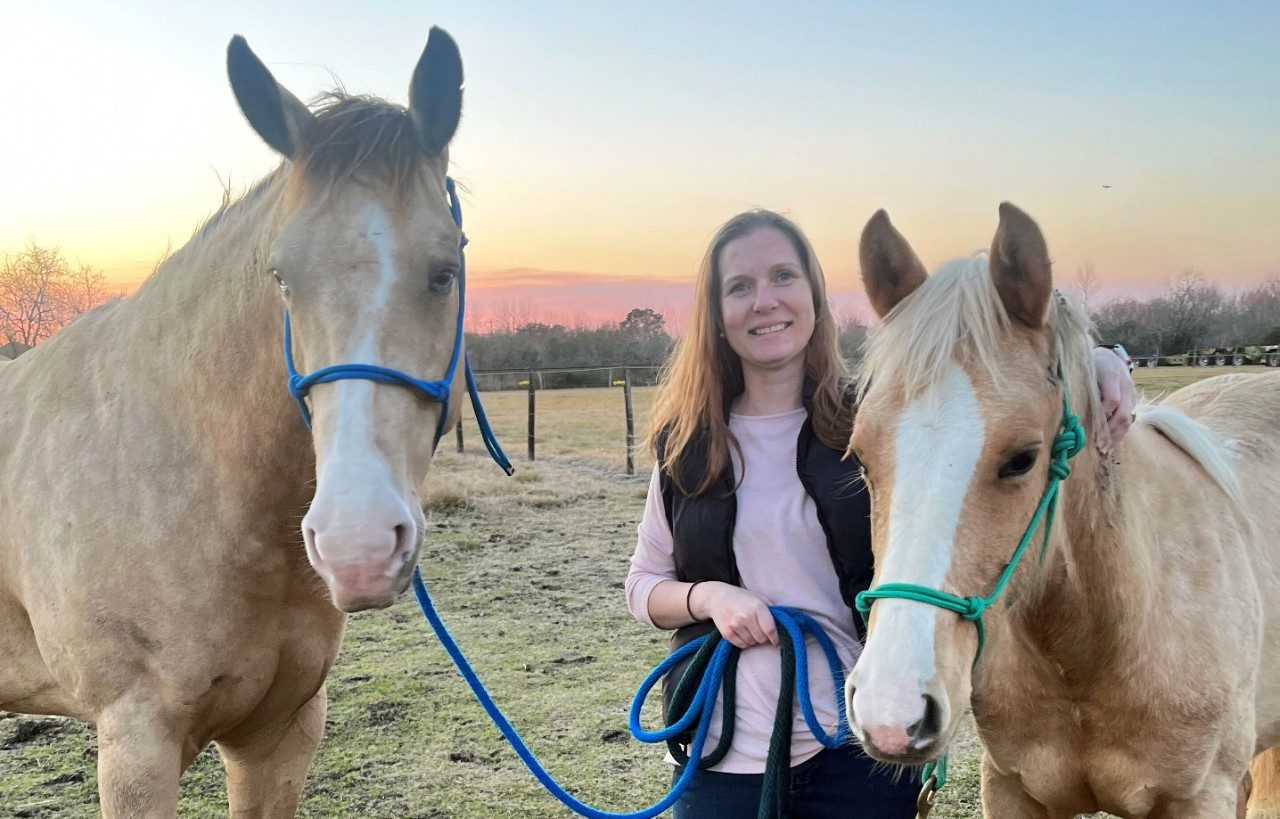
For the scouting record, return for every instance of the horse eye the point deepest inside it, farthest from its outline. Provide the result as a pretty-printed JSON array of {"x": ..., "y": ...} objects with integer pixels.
[
  {"x": 1019, "y": 464},
  {"x": 442, "y": 280}
]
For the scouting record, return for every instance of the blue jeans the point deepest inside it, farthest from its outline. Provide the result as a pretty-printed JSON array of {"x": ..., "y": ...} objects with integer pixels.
[{"x": 834, "y": 784}]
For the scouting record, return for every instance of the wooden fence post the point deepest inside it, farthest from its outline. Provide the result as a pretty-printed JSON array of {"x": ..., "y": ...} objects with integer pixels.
[
  {"x": 458, "y": 429},
  {"x": 631, "y": 426},
  {"x": 531, "y": 415}
]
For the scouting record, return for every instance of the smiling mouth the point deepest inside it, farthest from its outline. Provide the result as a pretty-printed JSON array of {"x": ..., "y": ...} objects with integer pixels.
[{"x": 773, "y": 328}]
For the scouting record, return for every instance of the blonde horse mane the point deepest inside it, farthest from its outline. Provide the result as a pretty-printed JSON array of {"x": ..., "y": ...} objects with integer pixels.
[{"x": 1214, "y": 454}]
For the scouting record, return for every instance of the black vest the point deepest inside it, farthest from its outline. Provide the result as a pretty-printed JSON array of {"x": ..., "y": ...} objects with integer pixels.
[{"x": 702, "y": 525}]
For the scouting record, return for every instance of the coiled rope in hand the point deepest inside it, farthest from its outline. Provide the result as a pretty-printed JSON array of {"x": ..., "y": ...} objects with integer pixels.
[{"x": 692, "y": 708}]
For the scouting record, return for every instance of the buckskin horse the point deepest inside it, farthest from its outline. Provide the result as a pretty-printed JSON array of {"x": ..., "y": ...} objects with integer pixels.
[
  {"x": 154, "y": 578},
  {"x": 1130, "y": 662}
]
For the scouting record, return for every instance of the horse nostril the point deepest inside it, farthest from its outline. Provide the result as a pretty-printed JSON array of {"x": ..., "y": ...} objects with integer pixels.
[
  {"x": 405, "y": 534},
  {"x": 929, "y": 726}
]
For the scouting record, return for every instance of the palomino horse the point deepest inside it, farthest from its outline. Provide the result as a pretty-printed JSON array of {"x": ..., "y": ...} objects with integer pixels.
[
  {"x": 154, "y": 578},
  {"x": 1133, "y": 664}
]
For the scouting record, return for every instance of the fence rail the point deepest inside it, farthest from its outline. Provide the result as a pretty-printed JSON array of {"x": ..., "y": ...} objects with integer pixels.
[{"x": 590, "y": 421}]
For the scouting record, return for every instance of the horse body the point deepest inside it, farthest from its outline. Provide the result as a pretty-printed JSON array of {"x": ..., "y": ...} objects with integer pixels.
[
  {"x": 1244, "y": 410},
  {"x": 1133, "y": 667},
  {"x": 1148, "y": 636},
  {"x": 158, "y": 574},
  {"x": 154, "y": 470}
]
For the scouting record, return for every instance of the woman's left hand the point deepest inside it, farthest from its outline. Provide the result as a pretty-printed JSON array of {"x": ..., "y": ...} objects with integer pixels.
[{"x": 1118, "y": 394}]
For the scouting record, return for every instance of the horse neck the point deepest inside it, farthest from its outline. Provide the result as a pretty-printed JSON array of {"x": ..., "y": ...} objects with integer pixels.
[
  {"x": 1095, "y": 602},
  {"x": 220, "y": 318}
]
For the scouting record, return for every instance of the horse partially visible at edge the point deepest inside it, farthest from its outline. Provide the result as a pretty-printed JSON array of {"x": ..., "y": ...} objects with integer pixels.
[
  {"x": 158, "y": 576},
  {"x": 1134, "y": 665}
]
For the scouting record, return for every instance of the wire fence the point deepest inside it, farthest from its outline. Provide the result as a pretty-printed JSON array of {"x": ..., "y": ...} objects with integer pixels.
[{"x": 589, "y": 413}]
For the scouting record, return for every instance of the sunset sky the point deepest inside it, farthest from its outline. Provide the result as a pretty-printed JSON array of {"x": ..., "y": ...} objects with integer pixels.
[{"x": 603, "y": 143}]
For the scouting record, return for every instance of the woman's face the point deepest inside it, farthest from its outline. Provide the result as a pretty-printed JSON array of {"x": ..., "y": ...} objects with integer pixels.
[{"x": 766, "y": 300}]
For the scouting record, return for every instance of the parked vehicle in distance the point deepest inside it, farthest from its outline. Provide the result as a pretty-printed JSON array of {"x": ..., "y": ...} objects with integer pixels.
[
  {"x": 1119, "y": 350},
  {"x": 1266, "y": 355}
]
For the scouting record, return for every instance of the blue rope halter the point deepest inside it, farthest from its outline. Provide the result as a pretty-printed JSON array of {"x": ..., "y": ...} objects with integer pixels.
[{"x": 438, "y": 391}]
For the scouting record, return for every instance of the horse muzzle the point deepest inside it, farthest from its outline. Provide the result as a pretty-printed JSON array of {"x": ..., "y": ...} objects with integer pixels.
[
  {"x": 366, "y": 564},
  {"x": 905, "y": 725}
]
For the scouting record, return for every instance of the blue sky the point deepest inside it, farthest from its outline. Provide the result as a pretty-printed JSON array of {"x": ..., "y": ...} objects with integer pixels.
[{"x": 610, "y": 139}]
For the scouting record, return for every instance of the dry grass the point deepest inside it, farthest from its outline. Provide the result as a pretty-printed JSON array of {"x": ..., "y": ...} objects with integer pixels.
[
  {"x": 583, "y": 424},
  {"x": 1155, "y": 381}
]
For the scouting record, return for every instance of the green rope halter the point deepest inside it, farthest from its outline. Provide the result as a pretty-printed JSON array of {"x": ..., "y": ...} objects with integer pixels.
[{"x": 1069, "y": 441}]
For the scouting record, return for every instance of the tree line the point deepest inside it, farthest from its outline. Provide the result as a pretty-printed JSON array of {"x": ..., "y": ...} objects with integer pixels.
[
  {"x": 641, "y": 340},
  {"x": 41, "y": 292},
  {"x": 1192, "y": 313},
  {"x": 1189, "y": 313}
]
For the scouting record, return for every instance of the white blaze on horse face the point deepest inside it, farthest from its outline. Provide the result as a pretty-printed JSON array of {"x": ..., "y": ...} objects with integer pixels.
[
  {"x": 936, "y": 449},
  {"x": 359, "y": 530}
]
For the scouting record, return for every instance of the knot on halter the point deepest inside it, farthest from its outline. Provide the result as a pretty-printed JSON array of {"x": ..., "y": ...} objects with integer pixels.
[
  {"x": 1068, "y": 443},
  {"x": 296, "y": 388},
  {"x": 973, "y": 608}
]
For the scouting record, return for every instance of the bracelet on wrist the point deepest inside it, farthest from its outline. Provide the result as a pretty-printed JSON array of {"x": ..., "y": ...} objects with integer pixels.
[{"x": 688, "y": 598}]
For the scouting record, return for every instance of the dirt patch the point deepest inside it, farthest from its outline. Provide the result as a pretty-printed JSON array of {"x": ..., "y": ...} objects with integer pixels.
[{"x": 21, "y": 730}]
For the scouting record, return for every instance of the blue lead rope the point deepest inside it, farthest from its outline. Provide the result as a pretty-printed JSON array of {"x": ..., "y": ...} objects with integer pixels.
[
  {"x": 482, "y": 421},
  {"x": 796, "y": 625}
]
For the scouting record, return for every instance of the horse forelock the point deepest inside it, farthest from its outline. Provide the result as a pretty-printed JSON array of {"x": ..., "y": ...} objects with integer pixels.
[
  {"x": 360, "y": 138},
  {"x": 957, "y": 314},
  {"x": 954, "y": 312}
]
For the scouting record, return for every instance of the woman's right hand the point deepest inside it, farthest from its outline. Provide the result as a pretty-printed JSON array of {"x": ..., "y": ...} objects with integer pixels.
[{"x": 741, "y": 616}]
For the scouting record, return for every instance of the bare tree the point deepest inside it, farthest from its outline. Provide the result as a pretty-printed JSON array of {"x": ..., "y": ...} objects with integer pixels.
[
  {"x": 40, "y": 293},
  {"x": 1258, "y": 313},
  {"x": 1190, "y": 313},
  {"x": 1132, "y": 323},
  {"x": 1087, "y": 285}
]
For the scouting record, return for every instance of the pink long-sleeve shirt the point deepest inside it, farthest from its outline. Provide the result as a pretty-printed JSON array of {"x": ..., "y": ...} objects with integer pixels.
[{"x": 782, "y": 554}]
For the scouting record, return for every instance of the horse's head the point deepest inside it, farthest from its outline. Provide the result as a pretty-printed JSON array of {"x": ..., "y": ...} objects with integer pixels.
[
  {"x": 367, "y": 258},
  {"x": 961, "y": 407}
]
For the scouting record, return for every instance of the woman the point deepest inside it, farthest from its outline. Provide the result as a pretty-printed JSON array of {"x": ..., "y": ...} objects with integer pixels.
[{"x": 751, "y": 505}]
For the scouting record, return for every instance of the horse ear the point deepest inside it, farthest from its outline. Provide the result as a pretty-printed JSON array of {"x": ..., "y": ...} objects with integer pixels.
[
  {"x": 891, "y": 271},
  {"x": 435, "y": 93},
  {"x": 1020, "y": 267},
  {"x": 278, "y": 116}
]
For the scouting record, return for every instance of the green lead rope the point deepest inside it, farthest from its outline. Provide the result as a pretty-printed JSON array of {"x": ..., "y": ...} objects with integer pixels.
[
  {"x": 775, "y": 802},
  {"x": 683, "y": 695},
  {"x": 775, "y": 796},
  {"x": 1069, "y": 441}
]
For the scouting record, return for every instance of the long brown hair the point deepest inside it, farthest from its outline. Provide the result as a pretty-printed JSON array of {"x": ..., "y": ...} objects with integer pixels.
[{"x": 704, "y": 373}]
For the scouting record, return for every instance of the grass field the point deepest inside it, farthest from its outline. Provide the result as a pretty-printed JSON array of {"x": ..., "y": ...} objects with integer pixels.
[{"x": 527, "y": 572}]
